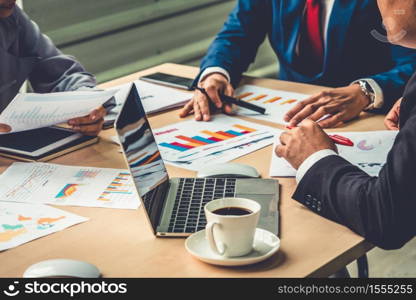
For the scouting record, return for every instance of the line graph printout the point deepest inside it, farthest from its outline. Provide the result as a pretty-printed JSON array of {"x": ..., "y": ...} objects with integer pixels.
[
  {"x": 192, "y": 144},
  {"x": 68, "y": 185},
  {"x": 369, "y": 152},
  {"x": 31, "y": 111},
  {"x": 276, "y": 102},
  {"x": 22, "y": 222}
]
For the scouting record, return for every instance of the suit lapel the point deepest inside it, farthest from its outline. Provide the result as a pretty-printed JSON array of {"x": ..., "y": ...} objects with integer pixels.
[
  {"x": 337, "y": 29},
  {"x": 291, "y": 14}
]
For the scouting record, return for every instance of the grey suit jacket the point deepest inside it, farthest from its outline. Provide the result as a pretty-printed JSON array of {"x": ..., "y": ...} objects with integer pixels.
[{"x": 25, "y": 53}]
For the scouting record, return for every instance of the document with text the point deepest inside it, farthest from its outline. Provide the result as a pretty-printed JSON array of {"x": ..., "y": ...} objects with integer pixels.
[
  {"x": 31, "y": 111},
  {"x": 68, "y": 185}
]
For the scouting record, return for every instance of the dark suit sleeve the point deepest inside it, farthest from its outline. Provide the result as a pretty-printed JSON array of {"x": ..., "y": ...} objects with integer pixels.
[
  {"x": 235, "y": 46},
  {"x": 54, "y": 72},
  {"x": 381, "y": 209},
  {"x": 393, "y": 81}
]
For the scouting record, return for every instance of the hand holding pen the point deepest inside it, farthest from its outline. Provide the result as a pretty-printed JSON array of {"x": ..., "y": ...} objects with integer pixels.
[
  {"x": 299, "y": 144},
  {"x": 336, "y": 138},
  {"x": 214, "y": 85}
]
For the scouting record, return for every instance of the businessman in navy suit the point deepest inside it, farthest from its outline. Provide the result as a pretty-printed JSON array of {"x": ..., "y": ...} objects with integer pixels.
[
  {"x": 334, "y": 43},
  {"x": 381, "y": 209}
]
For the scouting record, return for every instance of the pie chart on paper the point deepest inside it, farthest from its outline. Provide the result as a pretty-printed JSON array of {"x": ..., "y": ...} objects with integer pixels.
[{"x": 363, "y": 145}]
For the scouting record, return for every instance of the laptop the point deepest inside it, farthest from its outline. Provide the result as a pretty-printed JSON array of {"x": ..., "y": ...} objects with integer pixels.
[{"x": 175, "y": 206}]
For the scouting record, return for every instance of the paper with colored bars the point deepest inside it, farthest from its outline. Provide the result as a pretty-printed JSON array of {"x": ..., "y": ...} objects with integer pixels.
[
  {"x": 22, "y": 222},
  {"x": 192, "y": 145},
  {"x": 31, "y": 111},
  {"x": 369, "y": 152},
  {"x": 68, "y": 185},
  {"x": 276, "y": 102}
]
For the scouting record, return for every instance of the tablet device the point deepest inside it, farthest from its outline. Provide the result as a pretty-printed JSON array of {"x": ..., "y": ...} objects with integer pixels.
[{"x": 43, "y": 142}]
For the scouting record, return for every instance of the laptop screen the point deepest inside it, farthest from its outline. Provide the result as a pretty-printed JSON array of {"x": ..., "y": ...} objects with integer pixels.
[{"x": 142, "y": 155}]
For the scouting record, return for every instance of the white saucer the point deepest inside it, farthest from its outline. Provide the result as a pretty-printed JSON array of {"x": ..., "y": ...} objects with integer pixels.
[{"x": 265, "y": 245}]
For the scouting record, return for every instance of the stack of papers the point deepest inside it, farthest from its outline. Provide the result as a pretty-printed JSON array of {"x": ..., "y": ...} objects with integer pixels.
[
  {"x": 192, "y": 145},
  {"x": 26, "y": 187},
  {"x": 155, "y": 98}
]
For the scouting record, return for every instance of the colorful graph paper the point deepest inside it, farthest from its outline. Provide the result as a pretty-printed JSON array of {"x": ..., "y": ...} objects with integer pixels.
[
  {"x": 207, "y": 137},
  {"x": 119, "y": 187}
]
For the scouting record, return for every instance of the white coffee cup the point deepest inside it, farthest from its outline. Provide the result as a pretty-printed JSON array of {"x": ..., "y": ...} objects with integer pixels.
[{"x": 231, "y": 235}]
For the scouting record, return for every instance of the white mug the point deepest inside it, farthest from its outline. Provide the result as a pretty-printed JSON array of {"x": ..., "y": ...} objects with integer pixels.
[{"x": 231, "y": 235}]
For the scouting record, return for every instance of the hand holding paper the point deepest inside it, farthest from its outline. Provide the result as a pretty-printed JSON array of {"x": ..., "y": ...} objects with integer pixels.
[
  {"x": 31, "y": 111},
  {"x": 4, "y": 128},
  {"x": 91, "y": 124}
]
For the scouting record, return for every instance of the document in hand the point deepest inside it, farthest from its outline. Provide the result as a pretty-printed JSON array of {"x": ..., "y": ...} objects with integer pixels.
[{"x": 31, "y": 111}]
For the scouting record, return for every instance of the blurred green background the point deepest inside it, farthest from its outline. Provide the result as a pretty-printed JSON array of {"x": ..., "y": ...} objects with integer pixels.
[{"x": 112, "y": 38}]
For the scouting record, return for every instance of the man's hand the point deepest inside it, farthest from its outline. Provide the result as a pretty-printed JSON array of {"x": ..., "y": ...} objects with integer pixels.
[
  {"x": 391, "y": 121},
  {"x": 4, "y": 128},
  {"x": 91, "y": 124},
  {"x": 214, "y": 84},
  {"x": 301, "y": 142},
  {"x": 343, "y": 104}
]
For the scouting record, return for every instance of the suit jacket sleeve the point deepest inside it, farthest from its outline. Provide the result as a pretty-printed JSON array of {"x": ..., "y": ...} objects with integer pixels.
[
  {"x": 235, "y": 46},
  {"x": 54, "y": 72},
  {"x": 381, "y": 209},
  {"x": 393, "y": 81}
]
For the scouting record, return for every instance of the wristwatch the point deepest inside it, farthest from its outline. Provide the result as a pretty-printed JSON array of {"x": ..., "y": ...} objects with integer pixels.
[{"x": 369, "y": 92}]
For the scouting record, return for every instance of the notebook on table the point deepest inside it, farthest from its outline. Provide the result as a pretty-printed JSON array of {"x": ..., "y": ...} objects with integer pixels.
[{"x": 42, "y": 144}]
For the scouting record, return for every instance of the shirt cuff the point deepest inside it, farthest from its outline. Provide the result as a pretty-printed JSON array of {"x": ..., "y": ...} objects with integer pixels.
[
  {"x": 311, "y": 160},
  {"x": 211, "y": 70},
  {"x": 378, "y": 92}
]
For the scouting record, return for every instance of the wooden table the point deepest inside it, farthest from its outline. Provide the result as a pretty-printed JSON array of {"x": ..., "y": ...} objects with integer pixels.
[{"x": 121, "y": 244}]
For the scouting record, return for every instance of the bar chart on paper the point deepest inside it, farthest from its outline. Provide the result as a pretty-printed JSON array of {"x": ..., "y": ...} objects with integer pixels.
[
  {"x": 276, "y": 102},
  {"x": 68, "y": 185},
  {"x": 120, "y": 188},
  {"x": 191, "y": 144},
  {"x": 207, "y": 137}
]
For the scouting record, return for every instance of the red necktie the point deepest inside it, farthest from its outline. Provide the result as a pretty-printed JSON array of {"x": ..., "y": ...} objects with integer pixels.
[{"x": 311, "y": 50}]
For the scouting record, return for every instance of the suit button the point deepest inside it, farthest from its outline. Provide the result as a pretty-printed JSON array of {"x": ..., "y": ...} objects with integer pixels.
[{"x": 319, "y": 209}]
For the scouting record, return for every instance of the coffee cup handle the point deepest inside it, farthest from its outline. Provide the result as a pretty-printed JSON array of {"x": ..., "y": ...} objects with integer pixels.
[{"x": 209, "y": 233}]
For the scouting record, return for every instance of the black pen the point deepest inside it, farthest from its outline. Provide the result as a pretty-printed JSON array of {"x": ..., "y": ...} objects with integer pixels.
[{"x": 235, "y": 101}]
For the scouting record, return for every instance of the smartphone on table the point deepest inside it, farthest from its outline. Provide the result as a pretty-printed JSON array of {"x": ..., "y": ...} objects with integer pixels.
[{"x": 169, "y": 80}]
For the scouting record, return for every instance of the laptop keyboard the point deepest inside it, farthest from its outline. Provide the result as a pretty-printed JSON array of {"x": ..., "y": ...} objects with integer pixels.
[{"x": 193, "y": 193}]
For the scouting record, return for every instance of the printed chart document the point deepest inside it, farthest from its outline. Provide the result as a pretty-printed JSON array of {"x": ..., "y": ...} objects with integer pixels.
[
  {"x": 22, "y": 222},
  {"x": 67, "y": 185},
  {"x": 369, "y": 152},
  {"x": 276, "y": 102},
  {"x": 31, "y": 111},
  {"x": 155, "y": 98},
  {"x": 192, "y": 145}
]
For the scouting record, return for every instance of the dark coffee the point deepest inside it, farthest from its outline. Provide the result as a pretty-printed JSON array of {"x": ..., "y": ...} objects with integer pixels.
[{"x": 232, "y": 211}]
